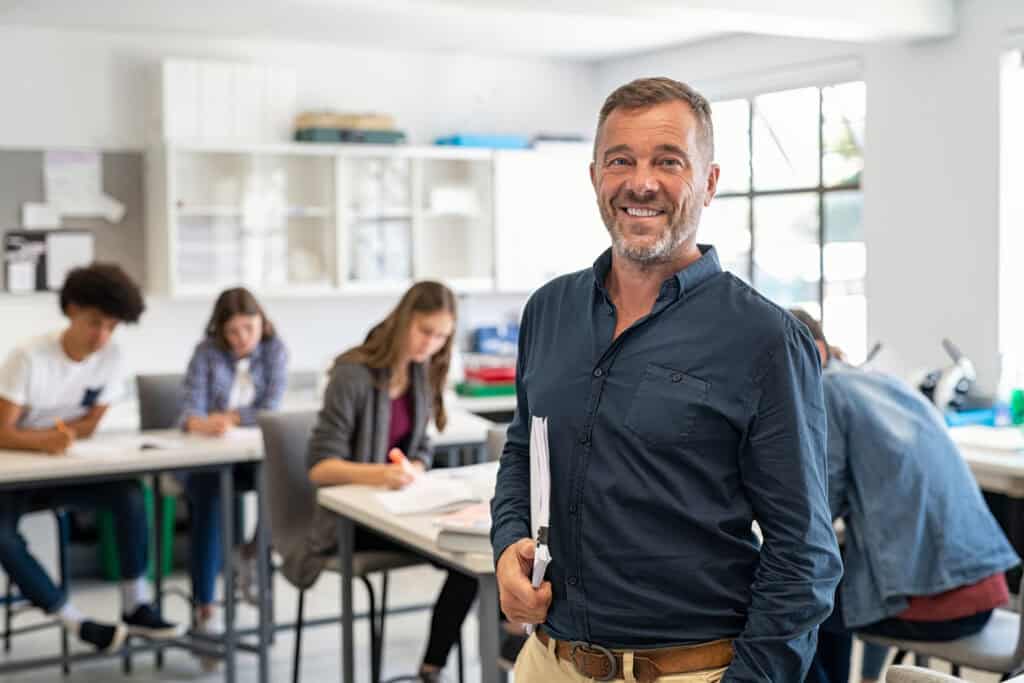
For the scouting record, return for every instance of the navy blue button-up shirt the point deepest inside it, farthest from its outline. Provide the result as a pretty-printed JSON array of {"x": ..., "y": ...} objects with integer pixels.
[{"x": 666, "y": 444}]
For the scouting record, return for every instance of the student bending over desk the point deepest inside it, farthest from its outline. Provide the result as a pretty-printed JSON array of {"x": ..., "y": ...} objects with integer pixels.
[
  {"x": 924, "y": 558},
  {"x": 380, "y": 398},
  {"x": 55, "y": 389},
  {"x": 238, "y": 369}
]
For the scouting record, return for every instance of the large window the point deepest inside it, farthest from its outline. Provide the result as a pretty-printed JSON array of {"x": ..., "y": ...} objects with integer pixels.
[{"x": 788, "y": 215}]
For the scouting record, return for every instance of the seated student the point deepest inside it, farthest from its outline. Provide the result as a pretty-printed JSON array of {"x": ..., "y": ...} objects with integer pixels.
[
  {"x": 238, "y": 369},
  {"x": 924, "y": 558},
  {"x": 380, "y": 397},
  {"x": 55, "y": 389}
]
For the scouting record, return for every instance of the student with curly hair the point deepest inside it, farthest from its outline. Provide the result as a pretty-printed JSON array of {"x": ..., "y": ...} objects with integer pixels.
[{"x": 54, "y": 390}]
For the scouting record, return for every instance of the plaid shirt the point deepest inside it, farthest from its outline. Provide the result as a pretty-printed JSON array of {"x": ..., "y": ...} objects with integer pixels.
[{"x": 211, "y": 373}]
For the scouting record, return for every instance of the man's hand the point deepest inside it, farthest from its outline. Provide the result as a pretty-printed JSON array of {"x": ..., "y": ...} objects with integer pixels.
[{"x": 520, "y": 601}]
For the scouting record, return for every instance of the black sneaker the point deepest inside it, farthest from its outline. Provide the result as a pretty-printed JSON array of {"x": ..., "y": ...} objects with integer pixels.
[
  {"x": 103, "y": 637},
  {"x": 146, "y": 623}
]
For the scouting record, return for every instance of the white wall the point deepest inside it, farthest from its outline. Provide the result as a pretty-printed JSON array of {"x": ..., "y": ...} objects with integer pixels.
[
  {"x": 90, "y": 89},
  {"x": 932, "y": 168},
  {"x": 77, "y": 88}
]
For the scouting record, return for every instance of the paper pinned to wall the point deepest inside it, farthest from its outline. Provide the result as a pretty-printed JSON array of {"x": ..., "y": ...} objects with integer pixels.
[{"x": 73, "y": 181}]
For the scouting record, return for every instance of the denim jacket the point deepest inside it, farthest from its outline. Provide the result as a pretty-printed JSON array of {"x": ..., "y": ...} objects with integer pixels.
[
  {"x": 916, "y": 521},
  {"x": 211, "y": 372}
]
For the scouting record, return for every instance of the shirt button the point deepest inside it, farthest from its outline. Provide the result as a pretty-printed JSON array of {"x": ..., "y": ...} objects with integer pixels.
[
  {"x": 573, "y": 580},
  {"x": 677, "y": 377},
  {"x": 598, "y": 372},
  {"x": 572, "y": 509},
  {"x": 584, "y": 439}
]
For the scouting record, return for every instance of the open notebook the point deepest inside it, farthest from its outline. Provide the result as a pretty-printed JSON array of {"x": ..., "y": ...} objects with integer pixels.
[{"x": 442, "y": 488}]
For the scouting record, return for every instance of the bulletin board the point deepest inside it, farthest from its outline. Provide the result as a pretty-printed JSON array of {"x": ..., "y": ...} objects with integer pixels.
[{"x": 21, "y": 180}]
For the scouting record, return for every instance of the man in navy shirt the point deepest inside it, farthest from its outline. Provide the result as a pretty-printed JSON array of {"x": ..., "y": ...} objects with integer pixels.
[{"x": 682, "y": 406}]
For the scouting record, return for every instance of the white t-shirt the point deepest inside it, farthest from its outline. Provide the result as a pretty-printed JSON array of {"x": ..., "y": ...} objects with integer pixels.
[
  {"x": 242, "y": 389},
  {"x": 39, "y": 377}
]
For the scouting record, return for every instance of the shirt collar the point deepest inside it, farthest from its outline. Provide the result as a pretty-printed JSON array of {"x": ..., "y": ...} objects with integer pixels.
[{"x": 701, "y": 270}]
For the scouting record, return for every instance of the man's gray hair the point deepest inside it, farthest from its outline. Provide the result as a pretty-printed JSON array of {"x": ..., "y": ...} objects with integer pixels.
[{"x": 647, "y": 92}]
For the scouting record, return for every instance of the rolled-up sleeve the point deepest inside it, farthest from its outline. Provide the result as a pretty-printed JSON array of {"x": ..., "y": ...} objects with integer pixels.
[
  {"x": 784, "y": 472},
  {"x": 510, "y": 507}
]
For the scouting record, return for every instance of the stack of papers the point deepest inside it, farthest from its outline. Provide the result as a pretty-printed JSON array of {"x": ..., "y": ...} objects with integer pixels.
[{"x": 467, "y": 530}]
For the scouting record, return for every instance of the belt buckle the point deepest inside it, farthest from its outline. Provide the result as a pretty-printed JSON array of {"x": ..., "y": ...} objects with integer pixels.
[{"x": 603, "y": 651}]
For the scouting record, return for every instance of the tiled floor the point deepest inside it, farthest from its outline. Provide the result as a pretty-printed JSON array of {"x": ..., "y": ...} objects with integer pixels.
[
  {"x": 405, "y": 636},
  {"x": 404, "y": 641}
]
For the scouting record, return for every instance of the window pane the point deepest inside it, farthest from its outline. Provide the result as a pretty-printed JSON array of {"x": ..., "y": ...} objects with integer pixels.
[
  {"x": 845, "y": 252},
  {"x": 787, "y": 264},
  {"x": 786, "y": 139},
  {"x": 731, "y": 121},
  {"x": 725, "y": 224},
  {"x": 842, "y": 107},
  {"x": 846, "y": 321}
]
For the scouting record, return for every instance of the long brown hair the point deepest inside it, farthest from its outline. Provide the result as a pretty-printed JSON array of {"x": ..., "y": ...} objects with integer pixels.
[
  {"x": 386, "y": 341},
  {"x": 232, "y": 302}
]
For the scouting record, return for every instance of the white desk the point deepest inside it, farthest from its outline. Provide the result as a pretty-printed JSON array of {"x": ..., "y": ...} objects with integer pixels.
[
  {"x": 125, "y": 459},
  {"x": 359, "y": 505},
  {"x": 995, "y": 462}
]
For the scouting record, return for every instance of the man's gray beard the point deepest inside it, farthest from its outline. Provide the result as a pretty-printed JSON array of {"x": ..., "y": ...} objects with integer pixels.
[{"x": 658, "y": 253}]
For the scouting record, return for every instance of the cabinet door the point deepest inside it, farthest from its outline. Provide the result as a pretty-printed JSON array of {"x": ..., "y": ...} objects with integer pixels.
[{"x": 546, "y": 218}]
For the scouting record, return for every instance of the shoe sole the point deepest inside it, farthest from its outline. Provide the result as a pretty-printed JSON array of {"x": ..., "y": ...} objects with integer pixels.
[
  {"x": 120, "y": 635},
  {"x": 156, "y": 633}
]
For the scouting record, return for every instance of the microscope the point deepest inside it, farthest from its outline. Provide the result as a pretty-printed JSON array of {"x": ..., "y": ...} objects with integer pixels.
[{"x": 947, "y": 387}]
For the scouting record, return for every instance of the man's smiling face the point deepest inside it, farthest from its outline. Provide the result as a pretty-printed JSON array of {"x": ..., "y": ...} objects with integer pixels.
[{"x": 652, "y": 180}]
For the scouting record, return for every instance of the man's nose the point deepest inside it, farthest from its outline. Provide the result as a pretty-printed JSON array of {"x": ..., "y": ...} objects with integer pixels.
[{"x": 643, "y": 183}]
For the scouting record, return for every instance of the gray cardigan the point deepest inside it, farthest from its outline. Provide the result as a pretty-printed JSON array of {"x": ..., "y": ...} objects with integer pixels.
[{"x": 353, "y": 425}]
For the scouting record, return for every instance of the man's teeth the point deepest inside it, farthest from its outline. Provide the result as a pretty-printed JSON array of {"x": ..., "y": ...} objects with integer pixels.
[{"x": 641, "y": 213}]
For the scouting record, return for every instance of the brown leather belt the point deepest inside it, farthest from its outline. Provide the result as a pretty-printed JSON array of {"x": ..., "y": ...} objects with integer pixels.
[{"x": 602, "y": 664}]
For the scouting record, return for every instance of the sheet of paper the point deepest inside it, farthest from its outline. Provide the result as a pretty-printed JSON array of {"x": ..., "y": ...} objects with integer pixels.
[
  {"x": 65, "y": 251},
  {"x": 37, "y": 216},
  {"x": 118, "y": 446},
  {"x": 73, "y": 180},
  {"x": 540, "y": 479},
  {"x": 424, "y": 494},
  {"x": 540, "y": 499}
]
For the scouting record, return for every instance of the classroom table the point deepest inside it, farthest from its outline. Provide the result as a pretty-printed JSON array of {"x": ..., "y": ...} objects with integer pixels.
[
  {"x": 996, "y": 461},
  {"x": 356, "y": 504},
  {"x": 113, "y": 456}
]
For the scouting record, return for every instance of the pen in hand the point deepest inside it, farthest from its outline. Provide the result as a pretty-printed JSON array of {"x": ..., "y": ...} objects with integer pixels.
[
  {"x": 66, "y": 432},
  {"x": 396, "y": 456}
]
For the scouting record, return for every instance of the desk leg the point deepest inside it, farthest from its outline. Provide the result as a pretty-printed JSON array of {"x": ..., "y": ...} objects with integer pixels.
[
  {"x": 266, "y": 590},
  {"x": 227, "y": 520},
  {"x": 346, "y": 541},
  {"x": 158, "y": 557},
  {"x": 487, "y": 616}
]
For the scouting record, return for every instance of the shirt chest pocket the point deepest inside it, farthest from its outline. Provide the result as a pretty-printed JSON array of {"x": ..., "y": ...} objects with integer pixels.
[{"x": 666, "y": 404}]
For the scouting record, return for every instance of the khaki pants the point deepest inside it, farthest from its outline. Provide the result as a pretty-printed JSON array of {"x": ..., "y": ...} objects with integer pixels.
[{"x": 539, "y": 664}]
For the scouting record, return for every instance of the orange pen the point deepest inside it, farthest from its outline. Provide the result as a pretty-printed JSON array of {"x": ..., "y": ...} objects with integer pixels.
[
  {"x": 398, "y": 458},
  {"x": 63, "y": 428}
]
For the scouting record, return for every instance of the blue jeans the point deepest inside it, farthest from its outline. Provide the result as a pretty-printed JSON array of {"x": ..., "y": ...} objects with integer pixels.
[
  {"x": 122, "y": 498},
  {"x": 207, "y": 557}
]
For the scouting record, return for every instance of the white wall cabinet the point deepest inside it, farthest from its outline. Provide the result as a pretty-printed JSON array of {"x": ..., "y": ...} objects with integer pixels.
[
  {"x": 300, "y": 219},
  {"x": 546, "y": 218}
]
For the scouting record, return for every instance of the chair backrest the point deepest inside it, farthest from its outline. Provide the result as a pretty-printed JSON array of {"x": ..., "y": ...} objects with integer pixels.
[
  {"x": 291, "y": 497},
  {"x": 161, "y": 400},
  {"x": 913, "y": 674},
  {"x": 495, "y": 442}
]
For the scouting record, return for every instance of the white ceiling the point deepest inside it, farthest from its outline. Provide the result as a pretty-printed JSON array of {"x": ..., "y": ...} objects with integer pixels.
[{"x": 574, "y": 29}]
